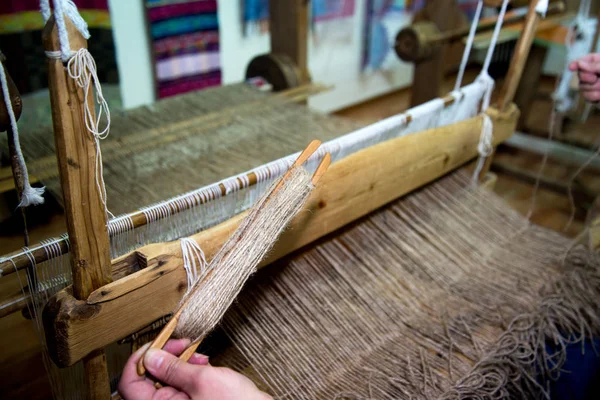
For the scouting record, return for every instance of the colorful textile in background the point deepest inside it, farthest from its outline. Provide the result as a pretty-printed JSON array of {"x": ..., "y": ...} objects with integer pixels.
[
  {"x": 323, "y": 12},
  {"x": 384, "y": 19},
  {"x": 21, "y": 41},
  {"x": 24, "y": 15},
  {"x": 185, "y": 42},
  {"x": 332, "y": 21},
  {"x": 255, "y": 16}
]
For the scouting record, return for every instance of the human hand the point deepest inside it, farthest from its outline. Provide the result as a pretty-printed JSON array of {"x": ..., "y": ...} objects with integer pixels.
[
  {"x": 588, "y": 72},
  {"x": 196, "y": 379}
]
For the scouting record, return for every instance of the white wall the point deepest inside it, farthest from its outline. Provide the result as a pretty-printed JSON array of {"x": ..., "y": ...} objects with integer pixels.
[
  {"x": 134, "y": 60},
  {"x": 329, "y": 63}
]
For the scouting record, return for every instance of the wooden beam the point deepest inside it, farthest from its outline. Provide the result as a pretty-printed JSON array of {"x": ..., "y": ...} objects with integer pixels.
[
  {"x": 528, "y": 88},
  {"x": 86, "y": 218},
  {"x": 352, "y": 188},
  {"x": 519, "y": 58},
  {"x": 288, "y": 23}
]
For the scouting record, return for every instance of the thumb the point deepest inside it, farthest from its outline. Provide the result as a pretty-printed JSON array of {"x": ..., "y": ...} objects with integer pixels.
[
  {"x": 573, "y": 66},
  {"x": 170, "y": 370}
]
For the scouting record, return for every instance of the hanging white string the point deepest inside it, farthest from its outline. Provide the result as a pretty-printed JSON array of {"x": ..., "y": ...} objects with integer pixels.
[
  {"x": 62, "y": 8},
  {"x": 194, "y": 261},
  {"x": 81, "y": 67},
  {"x": 485, "y": 146},
  {"x": 29, "y": 196},
  {"x": 494, "y": 40},
  {"x": 468, "y": 46},
  {"x": 542, "y": 7},
  {"x": 486, "y": 139}
]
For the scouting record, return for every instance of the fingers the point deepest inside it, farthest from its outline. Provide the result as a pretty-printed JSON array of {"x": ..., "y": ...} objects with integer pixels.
[
  {"x": 171, "y": 370},
  {"x": 591, "y": 96},
  {"x": 169, "y": 393},
  {"x": 573, "y": 66},
  {"x": 587, "y": 77},
  {"x": 199, "y": 359},
  {"x": 593, "y": 67},
  {"x": 176, "y": 346},
  {"x": 131, "y": 385}
]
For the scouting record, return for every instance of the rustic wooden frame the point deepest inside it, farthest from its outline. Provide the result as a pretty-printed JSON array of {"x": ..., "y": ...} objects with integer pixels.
[{"x": 81, "y": 320}]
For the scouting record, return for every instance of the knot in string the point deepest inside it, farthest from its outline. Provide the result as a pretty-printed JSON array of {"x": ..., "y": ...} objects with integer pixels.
[
  {"x": 487, "y": 82},
  {"x": 486, "y": 145}
]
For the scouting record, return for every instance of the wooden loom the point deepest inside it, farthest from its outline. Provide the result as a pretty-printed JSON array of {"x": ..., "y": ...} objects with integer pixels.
[
  {"x": 436, "y": 35},
  {"x": 111, "y": 299}
]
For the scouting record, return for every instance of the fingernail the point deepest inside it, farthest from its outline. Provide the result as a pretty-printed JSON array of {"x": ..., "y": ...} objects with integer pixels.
[
  {"x": 199, "y": 359},
  {"x": 153, "y": 359}
]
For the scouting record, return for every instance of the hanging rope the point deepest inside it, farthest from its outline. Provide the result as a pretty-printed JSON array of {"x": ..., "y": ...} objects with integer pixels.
[
  {"x": 468, "y": 46},
  {"x": 485, "y": 147},
  {"x": 29, "y": 196}
]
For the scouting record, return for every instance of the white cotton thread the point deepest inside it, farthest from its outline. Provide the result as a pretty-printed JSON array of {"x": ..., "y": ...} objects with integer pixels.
[
  {"x": 542, "y": 7},
  {"x": 82, "y": 69},
  {"x": 494, "y": 40},
  {"x": 45, "y": 9},
  {"x": 29, "y": 196},
  {"x": 194, "y": 261},
  {"x": 485, "y": 146},
  {"x": 68, "y": 8},
  {"x": 468, "y": 46}
]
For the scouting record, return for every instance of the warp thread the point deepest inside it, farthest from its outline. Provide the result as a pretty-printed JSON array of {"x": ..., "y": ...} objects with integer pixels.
[
  {"x": 405, "y": 303},
  {"x": 239, "y": 257},
  {"x": 194, "y": 261},
  {"x": 29, "y": 196}
]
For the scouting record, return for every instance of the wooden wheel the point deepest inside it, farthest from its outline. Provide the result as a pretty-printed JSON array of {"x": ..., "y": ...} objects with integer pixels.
[{"x": 279, "y": 70}]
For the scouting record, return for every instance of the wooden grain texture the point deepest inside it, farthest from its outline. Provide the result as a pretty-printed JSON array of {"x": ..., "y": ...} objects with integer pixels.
[
  {"x": 519, "y": 58},
  {"x": 352, "y": 188},
  {"x": 288, "y": 24},
  {"x": 86, "y": 218}
]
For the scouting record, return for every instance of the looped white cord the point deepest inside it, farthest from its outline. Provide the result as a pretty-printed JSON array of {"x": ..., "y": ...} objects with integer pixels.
[
  {"x": 468, "y": 46},
  {"x": 542, "y": 7},
  {"x": 194, "y": 261},
  {"x": 82, "y": 69},
  {"x": 486, "y": 145},
  {"x": 45, "y": 9},
  {"x": 68, "y": 8},
  {"x": 494, "y": 40},
  {"x": 29, "y": 196}
]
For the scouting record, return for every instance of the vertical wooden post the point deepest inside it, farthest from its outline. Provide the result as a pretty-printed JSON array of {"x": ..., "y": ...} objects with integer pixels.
[
  {"x": 520, "y": 55},
  {"x": 86, "y": 219},
  {"x": 517, "y": 65},
  {"x": 528, "y": 88},
  {"x": 288, "y": 23}
]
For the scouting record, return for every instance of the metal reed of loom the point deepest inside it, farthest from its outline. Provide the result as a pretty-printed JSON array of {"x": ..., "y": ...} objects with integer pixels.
[{"x": 148, "y": 282}]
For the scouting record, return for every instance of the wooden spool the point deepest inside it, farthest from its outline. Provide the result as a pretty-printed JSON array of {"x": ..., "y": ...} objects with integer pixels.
[
  {"x": 278, "y": 69},
  {"x": 413, "y": 43}
]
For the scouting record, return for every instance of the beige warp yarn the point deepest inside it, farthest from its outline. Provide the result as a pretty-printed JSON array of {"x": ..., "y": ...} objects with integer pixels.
[
  {"x": 415, "y": 301},
  {"x": 226, "y": 274}
]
